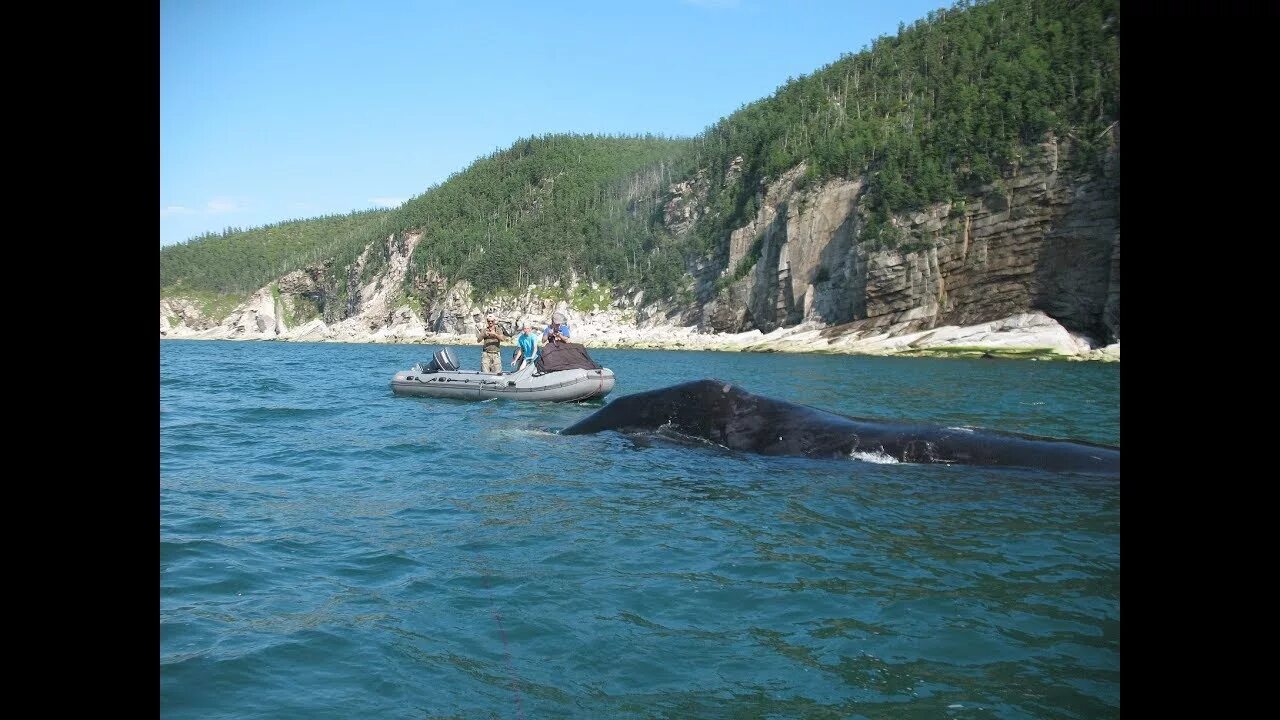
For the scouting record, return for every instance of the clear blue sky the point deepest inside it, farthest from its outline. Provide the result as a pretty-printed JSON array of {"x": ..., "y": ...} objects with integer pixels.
[{"x": 274, "y": 110}]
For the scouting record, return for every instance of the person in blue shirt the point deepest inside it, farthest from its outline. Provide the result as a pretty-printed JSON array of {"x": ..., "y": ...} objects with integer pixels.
[
  {"x": 528, "y": 350},
  {"x": 557, "y": 330}
]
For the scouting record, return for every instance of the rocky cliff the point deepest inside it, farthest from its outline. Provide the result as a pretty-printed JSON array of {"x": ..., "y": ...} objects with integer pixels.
[
  {"x": 1031, "y": 261},
  {"x": 1036, "y": 240}
]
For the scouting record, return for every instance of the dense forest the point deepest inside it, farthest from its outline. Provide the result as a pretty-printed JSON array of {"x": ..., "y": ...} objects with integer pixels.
[
  {"x": 945, "y": 106},
  {"x": 952, "y": 102},
  {"x": 237, "y": 262},
  {"x": 545, "y": 207}
]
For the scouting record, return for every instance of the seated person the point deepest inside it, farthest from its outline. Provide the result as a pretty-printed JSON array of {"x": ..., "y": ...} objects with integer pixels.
[{"x": 557, "y": 330}]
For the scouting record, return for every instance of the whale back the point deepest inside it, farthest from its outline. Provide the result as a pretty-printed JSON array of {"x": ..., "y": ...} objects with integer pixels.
[{"x": 727, "y": 415}]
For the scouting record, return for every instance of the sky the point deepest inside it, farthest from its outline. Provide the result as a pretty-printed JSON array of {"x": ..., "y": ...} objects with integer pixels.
[{"x": 274, "y": 110}]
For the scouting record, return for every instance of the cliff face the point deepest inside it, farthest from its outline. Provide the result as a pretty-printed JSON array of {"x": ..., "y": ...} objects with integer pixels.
[
  {"x": 1036, "y": 247},
  {"x": 306, "y": 305},
  {"x": 1036, "y": 240}
]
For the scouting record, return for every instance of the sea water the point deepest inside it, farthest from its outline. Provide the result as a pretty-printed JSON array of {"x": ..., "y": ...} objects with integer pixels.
[{"x": 329, "y": 550}]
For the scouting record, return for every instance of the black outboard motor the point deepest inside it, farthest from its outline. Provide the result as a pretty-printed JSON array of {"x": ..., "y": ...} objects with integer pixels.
[{"x": 443, "y": 359}]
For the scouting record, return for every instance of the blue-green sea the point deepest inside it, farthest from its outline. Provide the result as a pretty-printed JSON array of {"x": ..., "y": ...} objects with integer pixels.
[{"x": 329, "y": 550}]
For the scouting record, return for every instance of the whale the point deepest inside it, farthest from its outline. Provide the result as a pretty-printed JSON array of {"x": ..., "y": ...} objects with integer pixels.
[{"x": 724, "y": 414}]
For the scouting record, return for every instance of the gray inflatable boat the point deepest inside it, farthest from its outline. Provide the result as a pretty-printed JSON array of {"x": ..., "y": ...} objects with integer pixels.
[{"x": 441, "y": 378}]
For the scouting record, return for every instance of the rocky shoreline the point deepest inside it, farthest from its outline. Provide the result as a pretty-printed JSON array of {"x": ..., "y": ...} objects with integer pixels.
[{"x": 1031, "y": 335}]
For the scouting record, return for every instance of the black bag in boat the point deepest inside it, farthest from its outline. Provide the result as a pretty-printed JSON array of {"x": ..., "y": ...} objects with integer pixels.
[
  {"x": 444, "y": 359},
  {"x": 565, "y": 356}
]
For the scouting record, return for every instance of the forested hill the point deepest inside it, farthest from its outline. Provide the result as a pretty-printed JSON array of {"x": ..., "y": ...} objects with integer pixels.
[
  {"x": 544, "y": 207},
  {"x": 237, "y": 262},
  {"x": 537, "y": 209},
  {"x": 955, "y": 101}
]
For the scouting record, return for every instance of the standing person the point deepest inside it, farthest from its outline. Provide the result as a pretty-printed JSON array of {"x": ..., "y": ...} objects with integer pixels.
[
  {"x": 528, "y": 350},
  {"x": 491, "y": 335}
]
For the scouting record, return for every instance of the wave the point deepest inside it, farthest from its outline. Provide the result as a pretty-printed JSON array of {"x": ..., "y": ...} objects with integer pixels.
[{"x": 876, "y": 456}]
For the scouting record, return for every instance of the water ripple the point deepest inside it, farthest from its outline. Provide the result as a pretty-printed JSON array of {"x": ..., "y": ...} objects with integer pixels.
[{"x": 328, "y": 550}]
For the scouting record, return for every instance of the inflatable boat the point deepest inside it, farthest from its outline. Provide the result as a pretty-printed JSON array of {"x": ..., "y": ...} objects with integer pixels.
[{"x": 440, "y": 377}]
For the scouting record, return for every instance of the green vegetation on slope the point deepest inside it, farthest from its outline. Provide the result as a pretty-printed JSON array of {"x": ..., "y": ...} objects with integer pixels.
[
  {"x": 945, "y": 105},
  {"x": 238, "y": 262},
  {"x": 211, "y": 303},
  {"x": 546, "y": 206}
]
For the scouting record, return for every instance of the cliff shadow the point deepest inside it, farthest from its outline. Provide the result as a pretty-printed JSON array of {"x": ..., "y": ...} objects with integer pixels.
[
  {"x": 840, "y": 282},
  {"x": 766, "y": 304},
  {"x": 1077, "y": 273}
]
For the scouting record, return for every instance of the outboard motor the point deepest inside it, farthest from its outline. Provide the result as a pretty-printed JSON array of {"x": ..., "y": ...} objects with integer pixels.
[{"x": 443, "y": 359}]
